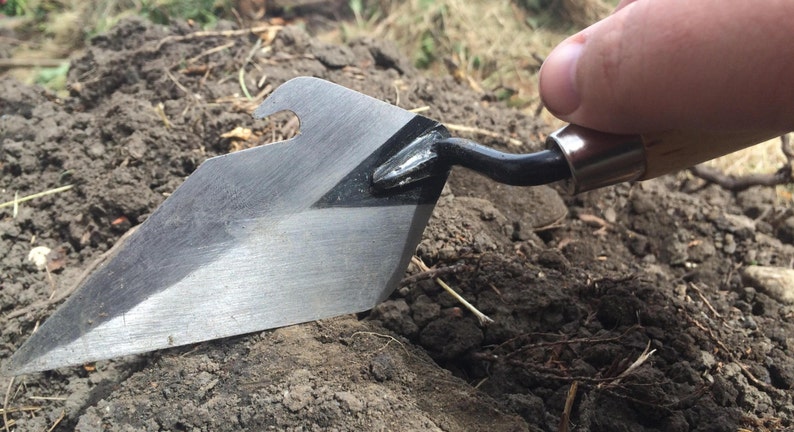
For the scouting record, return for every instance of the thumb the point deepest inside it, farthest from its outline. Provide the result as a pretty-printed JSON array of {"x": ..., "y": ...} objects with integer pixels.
[{"x": 677, "y": 64}]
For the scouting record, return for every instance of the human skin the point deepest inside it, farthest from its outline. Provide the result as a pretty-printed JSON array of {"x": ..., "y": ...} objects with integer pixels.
[{"x": 656, "y": 65}]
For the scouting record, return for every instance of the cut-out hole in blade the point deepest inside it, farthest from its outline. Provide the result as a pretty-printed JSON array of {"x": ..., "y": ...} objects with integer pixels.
[{"x": 281, "y": 126}]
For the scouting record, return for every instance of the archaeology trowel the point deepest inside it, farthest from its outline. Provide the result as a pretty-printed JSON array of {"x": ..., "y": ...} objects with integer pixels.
[
  {"x": 323, "y": 224},
  {"x": 266, "y": 237}
]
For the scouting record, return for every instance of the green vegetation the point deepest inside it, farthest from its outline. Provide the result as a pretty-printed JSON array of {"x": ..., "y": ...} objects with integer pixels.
[
  {"x": 495, "y": 46},
  {"x": 84, "y": 19},
  {"x": 53, "y": 29},
  {"x": 12, "y": 7},
  {"x": 53, "y": 78},
  {"x": 204, "y": 12}
]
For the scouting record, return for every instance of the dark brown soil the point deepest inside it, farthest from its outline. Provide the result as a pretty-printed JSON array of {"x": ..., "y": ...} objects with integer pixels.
[{"x": 578, "y": 287}]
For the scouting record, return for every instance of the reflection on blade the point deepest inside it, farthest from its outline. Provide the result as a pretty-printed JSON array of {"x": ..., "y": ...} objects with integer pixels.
[{"x": 266, "y": 237}]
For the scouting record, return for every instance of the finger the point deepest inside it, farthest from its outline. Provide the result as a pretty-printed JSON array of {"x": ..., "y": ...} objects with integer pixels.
[{"x": 666, "y": 64}]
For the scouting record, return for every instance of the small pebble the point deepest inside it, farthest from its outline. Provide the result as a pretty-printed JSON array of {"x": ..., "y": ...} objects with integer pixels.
[{"x": 776, "y": 282}]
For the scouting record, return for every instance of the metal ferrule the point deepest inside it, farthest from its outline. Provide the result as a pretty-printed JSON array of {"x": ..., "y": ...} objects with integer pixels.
[{"x": 598, "y": 159}]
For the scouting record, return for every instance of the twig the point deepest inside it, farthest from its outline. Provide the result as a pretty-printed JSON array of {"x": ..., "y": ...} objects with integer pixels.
[
  {"x": 24, "y": 408},
  {"x": 420, "y": 109},
  {"x": 637, "y": 363},
  {"x": 210, "y": 51},
  {"x": 549, "y": 374},
  {"x": 785, "y": 147},
  {"x": 745, "y": 370},
  {"x": 734, "y": 183},
  {"x": 601, "y": 382},
  {"x": 225, "y": 33},
  {"x": 57, "y": 421},
  {"x": 483, "y": 132},
  {"x": 159, "y": 109},
  {"x": 65, "y": 293},
  {"x": 740, "y": 183},
  {"x": 264, "y": 92},
  {"x": 53, "y": 288},
  {"x": 496, "y": 290},
  {"x": 391, "y": 339},
  {"x": 705, "y": 300},
  {"x": 17, "y": 201},
  {"x": 481, "y": 317},
  {"x": 665, "y": 404},
  {"x": 5, "y": 404},
  {"x": 290, "y": 127},
  {"x": 731, "y": 271},
  {"x": 594, "y": 220},
  {"x": 177, "y": 83},
  {"x": 565, "y": 420},
  {"x": 539, "y": 109},
  {"x": 560, "y": 222},
  {"x": 241, "y": 73},
  {"x": 50, "y": 398},
  {"x": 585, "y": 340},
  {"x": 434, "y": 273},
  {"x": 396, "y": 93}
]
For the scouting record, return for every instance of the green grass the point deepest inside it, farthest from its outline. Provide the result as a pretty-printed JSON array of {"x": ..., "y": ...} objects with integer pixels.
[
  {"x": 204, "y": 12},
  {"x": 13, "y": 7},
  {"x": 492, "y": 45}
]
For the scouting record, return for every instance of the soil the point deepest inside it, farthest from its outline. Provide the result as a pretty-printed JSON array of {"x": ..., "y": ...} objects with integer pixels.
[{"x": 579, "y": 288}]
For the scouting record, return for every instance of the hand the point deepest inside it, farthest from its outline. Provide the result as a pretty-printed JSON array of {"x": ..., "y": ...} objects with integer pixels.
[{"x": 657, "y": 65}]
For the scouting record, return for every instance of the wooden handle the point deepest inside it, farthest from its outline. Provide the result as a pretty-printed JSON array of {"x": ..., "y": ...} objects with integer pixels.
[
  {"x": 597, "y": 159},
  {"x": 671, "y": 151}
]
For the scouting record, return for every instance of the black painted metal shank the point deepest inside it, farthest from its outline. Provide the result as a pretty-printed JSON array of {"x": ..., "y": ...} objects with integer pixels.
[{"x": 432, "y": 155}]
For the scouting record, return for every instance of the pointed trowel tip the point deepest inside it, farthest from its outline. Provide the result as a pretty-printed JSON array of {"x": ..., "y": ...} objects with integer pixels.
[
  {"x": 32, "y": 357},
  {"x": 11, "y": 372},
  {"x": 10, "y": 368},
  {"x": 22, "y": 365},
  {"x": 18, "y": 364}
]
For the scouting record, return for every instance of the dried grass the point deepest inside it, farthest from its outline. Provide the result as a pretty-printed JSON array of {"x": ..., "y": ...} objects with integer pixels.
[
  {"x": 488, "y": 45},
  {"x": 585, "y": 12},
  {"x": 760, "y": 159}
]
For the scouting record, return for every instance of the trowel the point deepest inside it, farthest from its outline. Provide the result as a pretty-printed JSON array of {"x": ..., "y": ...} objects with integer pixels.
[{"x": 320, "y": 225}]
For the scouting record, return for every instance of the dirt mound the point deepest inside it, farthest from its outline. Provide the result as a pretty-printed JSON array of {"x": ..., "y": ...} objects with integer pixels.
[{"x": 579, "y": 288}]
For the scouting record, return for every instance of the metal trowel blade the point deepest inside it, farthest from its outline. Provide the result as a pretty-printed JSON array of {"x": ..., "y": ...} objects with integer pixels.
[{"x": 261, "y": 238}]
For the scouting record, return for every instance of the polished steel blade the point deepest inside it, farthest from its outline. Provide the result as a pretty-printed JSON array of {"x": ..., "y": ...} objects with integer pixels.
[{"x": 266, "y": 237}]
